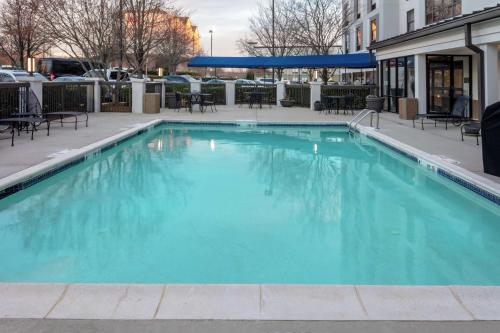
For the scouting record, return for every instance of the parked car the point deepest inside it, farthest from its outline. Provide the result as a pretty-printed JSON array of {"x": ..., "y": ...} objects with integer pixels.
[
  {"x": 266, "y": 81},
  {"x": 109, "y": 74},
  {"x": 244, "y": 81},
  {"x": 180, "y": 78},
  {"x": 14, "y": 75},
  {"x": 53, "y": 68},
  {"x": 70, "y": 78},
  {"x": 216, "y": 81}
]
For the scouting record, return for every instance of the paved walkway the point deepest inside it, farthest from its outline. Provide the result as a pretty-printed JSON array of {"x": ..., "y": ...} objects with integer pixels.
[{"x": 26, "y": 153}]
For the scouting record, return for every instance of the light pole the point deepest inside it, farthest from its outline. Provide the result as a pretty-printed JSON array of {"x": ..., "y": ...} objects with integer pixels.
[
  {"x": 272, "y": 46},
  {"x": 211, "y": 32}
]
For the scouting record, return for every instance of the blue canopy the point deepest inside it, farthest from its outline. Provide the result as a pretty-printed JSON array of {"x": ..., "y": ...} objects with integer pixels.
[{"x": 355, "y": 60}]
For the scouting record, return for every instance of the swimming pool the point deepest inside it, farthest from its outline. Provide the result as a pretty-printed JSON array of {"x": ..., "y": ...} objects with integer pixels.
[{"x": 226, "y": 204}]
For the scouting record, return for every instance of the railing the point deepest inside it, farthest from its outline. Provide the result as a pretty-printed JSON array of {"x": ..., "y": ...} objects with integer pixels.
[
  {"x": 359, "y": 92},
  {"x": 13, "y": 98},
  {"x": 68, "y": 96},
  {"x": 217, "y": 90},
  {"x": 299, "y": 93},
  {"x": 153, "y": 87},
  {"x": 242, "y": 91},
  {"x": 171, "y": 88},
  {"x": 116, "y": 96}
]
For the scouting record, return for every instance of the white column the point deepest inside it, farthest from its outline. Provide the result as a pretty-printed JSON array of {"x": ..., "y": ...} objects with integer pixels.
[
  {"x": 490, "y": 73},
  {"x": 96, "y": 95},
  {"x": 162, "y": 95},
  {"x": 230, "y": 93},
  {"x": 315, "y": 92},
  {"x": 420, "y": 83},
  {"x": 36, "y": 85},
  {"x": 195, "y": 86},
  {"x": 138, "y": 91},
  {"x": 280, "y": 92}
]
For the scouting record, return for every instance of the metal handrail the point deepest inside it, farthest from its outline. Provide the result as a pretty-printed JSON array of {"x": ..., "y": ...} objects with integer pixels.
[{"x": 352, "y": 125}]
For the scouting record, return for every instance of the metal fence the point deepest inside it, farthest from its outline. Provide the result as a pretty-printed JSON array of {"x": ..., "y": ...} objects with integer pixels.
[
  {"x": 299, "y": 93},
  {"x": 217, "y": 90},
  {"x": 116, "y": 96},
  {"x": 153, "y": 87},
  {"x": 171, "y": 89},
  {"x": 68, "y": 96},
  {"x": 13, "y": 98},
  {"x": 359, "y": 92},
  {"x": 242, "y": 91}
]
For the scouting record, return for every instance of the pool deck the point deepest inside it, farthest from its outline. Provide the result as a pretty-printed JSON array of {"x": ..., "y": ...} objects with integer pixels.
[{"x": 242, "y": 308}]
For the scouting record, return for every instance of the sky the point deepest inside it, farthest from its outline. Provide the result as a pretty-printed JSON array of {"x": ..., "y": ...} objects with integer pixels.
[{"x": 228, "y": 18}]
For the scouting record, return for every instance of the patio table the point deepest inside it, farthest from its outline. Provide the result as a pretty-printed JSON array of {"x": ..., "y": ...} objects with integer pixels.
[
  {"x": 255, "y": 97},
  {"x": 337, "y": 99},
  {"x": 195, "y": 98}
]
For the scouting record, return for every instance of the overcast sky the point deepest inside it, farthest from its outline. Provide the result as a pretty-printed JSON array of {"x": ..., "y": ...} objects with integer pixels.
[{"x": 229, "y": 18}]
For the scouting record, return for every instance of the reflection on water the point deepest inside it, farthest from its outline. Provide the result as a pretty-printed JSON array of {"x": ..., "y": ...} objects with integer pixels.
[{"x": 226, "y": 205}]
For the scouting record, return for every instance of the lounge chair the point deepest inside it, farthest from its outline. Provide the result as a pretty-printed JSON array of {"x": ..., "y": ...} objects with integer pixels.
[
  {"x": 18, "y": 123},
  {"x": 456, "y": 116}
]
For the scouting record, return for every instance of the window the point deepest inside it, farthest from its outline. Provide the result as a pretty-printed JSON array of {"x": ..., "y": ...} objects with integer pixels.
[
  {"x": 357, "y": 10},
  {"x": 410, "y": 20},
  {"x": 359, "y": 38},
  {"x": 373, "y": 31},
  {"x": 437, "y": 10},
  {"x": 372, "y": 5},
  {"x": 345, "y": 13}
]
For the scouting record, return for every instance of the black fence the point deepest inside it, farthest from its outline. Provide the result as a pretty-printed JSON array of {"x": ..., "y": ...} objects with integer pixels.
[
  {"x": 359, "y": 92},
  {"x": 299, "y": 93},
  {"x": 217, "y": 90},
  {"x": 68, "y": 96},
  {"x": 153, "y": 87},
  {"x": 242, "y": 91},
  {"x": 116, "y": 96},
  {"x": 13, "y": 98}
]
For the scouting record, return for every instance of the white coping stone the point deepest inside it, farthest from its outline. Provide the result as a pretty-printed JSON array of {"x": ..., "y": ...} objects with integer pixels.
[
  {"x": 89, "y": 302},
  {"x": 230, "y": 302},
  {"x": 139, "y": 302},
  {"x": 20, "y": 300},
  {"x": 482, "y": 302},
  {"x": 311, "y": 302},
  {"x": 411, "y": 303}
]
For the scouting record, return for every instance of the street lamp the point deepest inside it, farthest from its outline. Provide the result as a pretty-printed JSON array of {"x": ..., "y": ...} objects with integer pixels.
[
  {"x": 211, "y": 32},
  {"x": 31, "y": 66},
  {"x": 273, "y": 44},
  {"x": 160, "y": 72}
]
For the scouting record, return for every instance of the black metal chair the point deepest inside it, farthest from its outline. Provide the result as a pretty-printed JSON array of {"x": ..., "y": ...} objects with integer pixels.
[
  {"x": 456, "y": 116},
  {"x": 326, "y": 103},
  {"x": 349, "y": 104},
  {"x": 210, "y": 101},
  {"x": 178, "y": 101},
  {"x": 471, "y": 129}
]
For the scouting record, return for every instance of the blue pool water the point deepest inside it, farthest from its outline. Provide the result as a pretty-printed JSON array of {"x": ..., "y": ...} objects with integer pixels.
[{"x": 204, "y": 204}]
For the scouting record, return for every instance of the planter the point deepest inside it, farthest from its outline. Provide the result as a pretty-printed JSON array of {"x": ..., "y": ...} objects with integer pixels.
[{"x": 287, "y": 103}]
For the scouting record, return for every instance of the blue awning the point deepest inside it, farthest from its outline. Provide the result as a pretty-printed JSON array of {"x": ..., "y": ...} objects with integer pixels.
[{"x": 356, "y": 60}]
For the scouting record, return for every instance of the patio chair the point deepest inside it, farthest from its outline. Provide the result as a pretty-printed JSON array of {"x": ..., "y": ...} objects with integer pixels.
[
  {"x": 456, "y": 116},
  {"x": 178, "y": 101},
  {"x": 349, "y": 104},
  {"x": 471, "y": 129},
  {"x": 326, "y": 103},
  {"x": 209, "y": 102}
]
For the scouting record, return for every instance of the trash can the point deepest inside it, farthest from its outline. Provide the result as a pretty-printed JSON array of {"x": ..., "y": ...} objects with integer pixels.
[
  {"x": 318, "y": 106},
  {"x": 408, "y": 108},
  {"x": 152, "y": 103}
]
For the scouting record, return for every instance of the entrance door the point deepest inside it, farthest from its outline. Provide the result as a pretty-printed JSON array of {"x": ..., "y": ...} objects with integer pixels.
[{"x": 448, "y": 77}]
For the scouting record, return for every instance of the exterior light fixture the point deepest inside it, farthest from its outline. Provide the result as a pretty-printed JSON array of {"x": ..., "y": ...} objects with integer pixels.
[
  {"x": 160, "y": 72},
  {"x": 31, "y": 66}
]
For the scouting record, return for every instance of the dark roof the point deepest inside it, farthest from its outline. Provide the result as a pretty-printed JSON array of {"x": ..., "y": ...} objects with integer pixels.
[
  {"x": 355, "y": 60},
  {"x": 485, "y": 14}
]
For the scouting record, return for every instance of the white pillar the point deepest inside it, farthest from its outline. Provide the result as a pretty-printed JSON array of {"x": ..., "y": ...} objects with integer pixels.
[
  {"x": 195, "y": 86},
  {"x": 315, "y": 92},
  {"x": 420, "y": 83},
  {"x": 162, "y": 95},
  {"x": 36, "y": 85},
  {"x": 230, "y": 93},
  {"x": 490, "y": 73},
  {"x": 96, "y": 95},
  {"x": 138, "y": 91},
  {"x": 280, "y": 92}
]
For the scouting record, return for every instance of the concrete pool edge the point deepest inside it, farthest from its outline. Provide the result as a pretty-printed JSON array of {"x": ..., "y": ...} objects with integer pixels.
[{"x": 250, "y": 302}]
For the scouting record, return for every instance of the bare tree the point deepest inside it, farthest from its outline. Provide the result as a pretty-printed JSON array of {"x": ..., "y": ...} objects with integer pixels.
[
  {"x": 83, "y": 29},
  {"x": 21, "y": 33},
  {"x": 261, "y": 26},
  {"x": 176, "y": 44},
  {"x": 321, "y": 25},
  {"x": 143, "y": 22}
]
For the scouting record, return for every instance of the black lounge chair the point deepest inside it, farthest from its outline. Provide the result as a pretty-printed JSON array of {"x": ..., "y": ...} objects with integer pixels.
[
  {"x": 456, "y": 116},
  {"x": 471, "y": 129},
  {"x": 73, "y": 115},
  {"x": 18, "y": 123}
]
